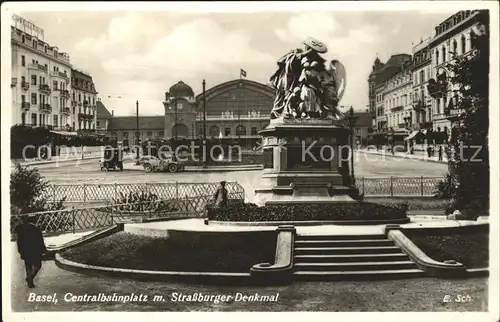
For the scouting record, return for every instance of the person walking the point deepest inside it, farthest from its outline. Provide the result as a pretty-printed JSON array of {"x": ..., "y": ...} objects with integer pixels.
[
  {"x": 31, "y": 247},
  {"x": 440, "y": 153},
  {"x": 220, "y": 196}
]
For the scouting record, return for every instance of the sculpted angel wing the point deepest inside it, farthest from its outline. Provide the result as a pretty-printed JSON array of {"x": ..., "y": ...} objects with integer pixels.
[{"x": 339, "y": 75}]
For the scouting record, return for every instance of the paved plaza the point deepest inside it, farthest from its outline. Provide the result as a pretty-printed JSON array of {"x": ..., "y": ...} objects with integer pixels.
[
  {"x": 424, "y": 294},
  {"x": 366, "y": 165}
]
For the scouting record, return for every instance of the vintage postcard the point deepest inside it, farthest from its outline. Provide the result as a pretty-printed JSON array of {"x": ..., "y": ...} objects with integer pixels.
[{"x": 250, "y": 157}]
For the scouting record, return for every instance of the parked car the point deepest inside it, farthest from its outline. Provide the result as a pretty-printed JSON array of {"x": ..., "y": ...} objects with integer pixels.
[
  {"x": 152, "y": 163},
  {"x": 112, "y": 159}
]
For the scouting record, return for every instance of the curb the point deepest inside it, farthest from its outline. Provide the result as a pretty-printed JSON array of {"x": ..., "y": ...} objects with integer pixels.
[
  {"x": 147, "y": 275},
  {"x": 403, "y": 157},
  {"x": 27, "y": 163},
  {"x": 311, "y": 222}
]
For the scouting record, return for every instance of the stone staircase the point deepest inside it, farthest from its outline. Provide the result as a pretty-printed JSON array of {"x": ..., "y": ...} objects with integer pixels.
[{"x": 349, "y": 257}]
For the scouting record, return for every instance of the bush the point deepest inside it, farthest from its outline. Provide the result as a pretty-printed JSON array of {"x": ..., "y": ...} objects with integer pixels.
[
  {"x": 445, "y": 188},
  {"x": 143, "y": 201},
  {"x": 27, "y": 192},
  {"x": 304, "y": 212},
  {"x": 467, "y": 247}
]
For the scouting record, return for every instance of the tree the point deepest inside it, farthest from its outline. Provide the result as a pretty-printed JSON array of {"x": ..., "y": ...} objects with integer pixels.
[{"x": 467, "y": 150}]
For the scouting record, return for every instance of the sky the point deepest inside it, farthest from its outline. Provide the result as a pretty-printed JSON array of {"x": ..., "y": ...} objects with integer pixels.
[{"x": 139, "y": 55}]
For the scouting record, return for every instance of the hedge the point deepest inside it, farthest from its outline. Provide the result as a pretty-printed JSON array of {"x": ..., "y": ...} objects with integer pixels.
[{"x": 306, "y": 212}]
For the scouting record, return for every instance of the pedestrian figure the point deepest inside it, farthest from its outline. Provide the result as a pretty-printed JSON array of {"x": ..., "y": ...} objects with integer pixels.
[
  {"x": 31, "y": 247},
  {"x": 220, "y": 196},
  {"x": 440, "y": 153},
  {"x": 429, "y": 149}
]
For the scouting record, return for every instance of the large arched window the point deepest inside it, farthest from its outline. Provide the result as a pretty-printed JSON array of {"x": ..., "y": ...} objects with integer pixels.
[
  {"x": 180, "y": 130},
  {"x": 462, "y": 44},
  {"x": 214, "y": 131},
  {"x": 443, "y": 52},
  {"x": 437, "y": 57},
  {"x": 455, "y": 45},
  {"x": 241, "y": 130}
]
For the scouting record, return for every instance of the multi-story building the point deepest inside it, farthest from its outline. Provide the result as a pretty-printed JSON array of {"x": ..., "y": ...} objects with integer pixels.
[
  {"x": 40, "y": 79},
  {"x": 381, "y": 117},
  {"x": 385, "y": 82},
  {"x": 452, "y": 37},
  {"x": 374, "y": 82},
  {"x": 123, "y": 129},
  {"x": 363, "y": 127},
  {"x": 398, "y": 102},
  {"x": 83, "y": 101},
  {"x": 422, "y": 101}
]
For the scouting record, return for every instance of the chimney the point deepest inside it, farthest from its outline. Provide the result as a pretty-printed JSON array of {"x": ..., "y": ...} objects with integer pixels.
[{"x": 112, "y": 112}]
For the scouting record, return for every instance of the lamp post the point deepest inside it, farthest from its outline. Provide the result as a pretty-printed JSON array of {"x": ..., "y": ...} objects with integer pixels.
[
  {"x": 137, "y": 134},
  {"x": 407, "y": 120},
  {"x": 351, "y": 120},
  {"x": 204, "y": 126},
  {"x": 175, "y": 125}
]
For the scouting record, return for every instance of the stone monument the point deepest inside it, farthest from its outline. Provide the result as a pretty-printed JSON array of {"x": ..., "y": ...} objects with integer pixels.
[{"x": 306, "y": 145}]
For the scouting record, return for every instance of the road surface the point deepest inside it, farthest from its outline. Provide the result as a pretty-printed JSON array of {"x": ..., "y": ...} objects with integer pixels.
[{"x": 365, "y": 165}]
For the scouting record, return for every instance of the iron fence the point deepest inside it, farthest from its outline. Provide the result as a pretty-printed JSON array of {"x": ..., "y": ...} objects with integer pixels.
[
  {"x": 78, "y": 219},
  {"x": 399, "y": 186},
  {"x": 180, "y": 200},
  {"x": 163, "y": 191}
]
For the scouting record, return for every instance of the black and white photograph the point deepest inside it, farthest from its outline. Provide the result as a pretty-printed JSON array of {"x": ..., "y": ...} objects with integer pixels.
[{"x": 250, "y": 157}]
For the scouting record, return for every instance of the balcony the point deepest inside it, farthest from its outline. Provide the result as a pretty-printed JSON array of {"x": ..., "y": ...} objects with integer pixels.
[
  {"x": 44, "y": 89},
  {"x": 25, "y": 85},
  {"x": 38, "y": 67},
  {"x": 25, "y": 106},
  {"x": 65, "y": 111},
  {"x": 45, "y": 108},
  {"x": 13, "y": 82},
  {"x": 397, "y": 108},
  {"x": 73, "y": 103},
  {"x": 85, "y": 116},
  {"x": 64, "y": 93},
  {"x": 86, "y": 104},
  {"x": 402, "y": 125}
]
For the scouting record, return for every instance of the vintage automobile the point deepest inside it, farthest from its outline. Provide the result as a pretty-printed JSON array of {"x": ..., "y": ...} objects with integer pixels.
[
  {"x": 112, "y": 160},
  {"x": 151, "y": 163}
]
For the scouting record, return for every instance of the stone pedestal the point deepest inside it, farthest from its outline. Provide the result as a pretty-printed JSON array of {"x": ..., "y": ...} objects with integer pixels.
[{"x": 307, "y": 161}]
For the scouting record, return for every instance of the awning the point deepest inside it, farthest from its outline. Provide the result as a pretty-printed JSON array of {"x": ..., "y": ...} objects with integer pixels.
[
  {"x": 412, "y": 135},
  {"x": 65, "y": 133}
]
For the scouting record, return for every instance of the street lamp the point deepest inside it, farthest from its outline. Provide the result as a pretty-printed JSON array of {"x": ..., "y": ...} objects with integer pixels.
[
  {"x": 351, "y": 122},
  {"x": 204, "y": 152},
  {"x": 407, "y": 120},
  {"x": 137, "y": 134}
]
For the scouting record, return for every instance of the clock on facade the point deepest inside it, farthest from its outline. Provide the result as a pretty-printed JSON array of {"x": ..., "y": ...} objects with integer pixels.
[{"x": 179, "y": 106}]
